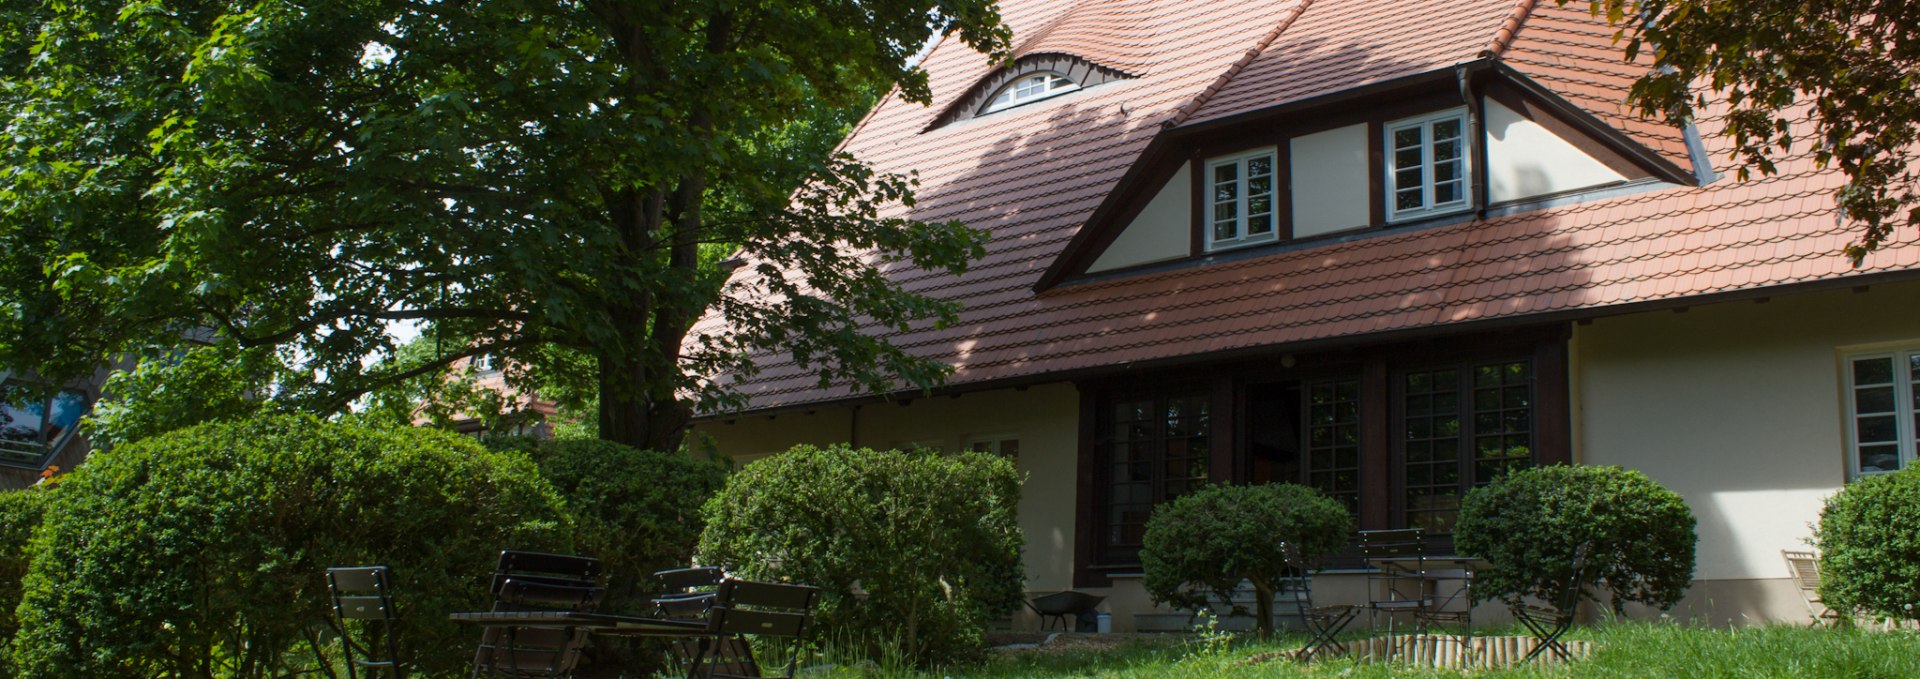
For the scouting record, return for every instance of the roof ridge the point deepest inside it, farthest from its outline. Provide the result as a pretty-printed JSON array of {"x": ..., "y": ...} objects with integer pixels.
[
  {"x": 1219, "y": 83},
  {"x": 1511, "y": 27}
]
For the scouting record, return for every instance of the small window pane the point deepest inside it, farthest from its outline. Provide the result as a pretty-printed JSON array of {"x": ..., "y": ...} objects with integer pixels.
[
  {"x": 1260, "y": 224},
  {"x": 1407, "y": 137},
  {"x": 1407, "y": 159},
  {"x": 1873, "y": 400},
  {"x": 1407, "y": 199},
  {"x": 1446, "y": 193},
  {"x": 1446, "y": 129},
  {"x": 1226, "y": 173},
  {"x": 1883, "y": 458},
  {"x": 1876, "y": 429},
  {"x": 1259, "y": 166},
  {"x": 1873, "y": 371}
]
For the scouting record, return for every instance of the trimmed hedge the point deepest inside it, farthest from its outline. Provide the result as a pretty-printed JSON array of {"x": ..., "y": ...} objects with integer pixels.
[
  {"x": 912, "y": 551},
  {"x": 1869, "y": 538},
  {"x": 200, "y": 552},
  {"x": 21, "y": 512},
  {"x": 1527, "y": 525},
  {"x": 1207, "y": 541}
]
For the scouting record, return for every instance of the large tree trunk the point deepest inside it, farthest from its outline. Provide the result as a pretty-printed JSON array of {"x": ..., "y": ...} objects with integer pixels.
[{"x": 623, "y": 404}]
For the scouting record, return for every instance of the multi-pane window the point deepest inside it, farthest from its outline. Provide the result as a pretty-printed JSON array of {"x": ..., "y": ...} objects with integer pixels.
[
  {"x": 1240, "y": 200},
  {"x": 33, "y": 425},
  {"x": 1152, "y": 449},
  {"x": 1007, "y": 446},
  {"x": 1333, "y": 439},
  {"x": 1427, "y": 171},
  {"x": 1460, "y": 426},
  {"x": 1030, "y": 88},
  {"x": 1882, "y": 392}
]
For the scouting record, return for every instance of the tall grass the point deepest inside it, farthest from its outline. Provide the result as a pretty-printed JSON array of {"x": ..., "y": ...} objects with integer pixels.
[{"x": 1624, "y": 650}]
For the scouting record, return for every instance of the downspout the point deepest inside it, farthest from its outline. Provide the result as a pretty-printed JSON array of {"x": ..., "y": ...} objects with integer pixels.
[{"x": 1477, "y": 146}]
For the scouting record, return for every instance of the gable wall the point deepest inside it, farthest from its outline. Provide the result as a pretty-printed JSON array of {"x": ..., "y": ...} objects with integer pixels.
[
  {"x": 1161, "y": 232},
  {"x": 1525, "y": 160}
]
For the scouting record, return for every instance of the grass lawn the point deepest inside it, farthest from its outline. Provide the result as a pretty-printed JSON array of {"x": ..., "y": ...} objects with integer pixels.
[{"x": 1624, "y": 650}]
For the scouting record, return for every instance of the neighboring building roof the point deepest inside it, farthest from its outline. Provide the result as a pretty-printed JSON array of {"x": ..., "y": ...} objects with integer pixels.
[{"x": 1034, "y": 175}]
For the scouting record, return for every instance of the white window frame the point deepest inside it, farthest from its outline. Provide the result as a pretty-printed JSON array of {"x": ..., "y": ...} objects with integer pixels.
[
  {"x": 1051, "y": 85},
  {"x": 1427, "y": 206},
  {"x": 1207, "y": 203},
  {"x": 1903, "y": 403},
  {"x": 996, "y": 444}
]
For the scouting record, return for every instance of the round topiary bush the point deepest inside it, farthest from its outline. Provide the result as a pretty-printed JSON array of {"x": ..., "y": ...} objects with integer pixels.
[
  {"x": 912, "y": 551},
  {"x": 1869, "y": 538},
  {"x": 1528, "y": 524},
  {"x": 201, "y": 552},
  {"x": 1206, "y": 542}
]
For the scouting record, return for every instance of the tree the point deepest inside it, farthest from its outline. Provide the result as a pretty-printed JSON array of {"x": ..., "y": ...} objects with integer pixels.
[
  {"x": 537, "y": 178},
  {"x": 1207, "y": 542},
  {"x": 1849, "y": 70}
]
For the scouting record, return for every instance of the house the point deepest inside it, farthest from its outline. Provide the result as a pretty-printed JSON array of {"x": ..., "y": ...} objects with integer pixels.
[
  {"x": 39, "y": 428},
  {"x": 1388, "y": 249}
]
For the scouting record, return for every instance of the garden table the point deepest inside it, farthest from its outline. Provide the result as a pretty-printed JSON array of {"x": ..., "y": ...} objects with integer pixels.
[{"x": 594, "y": 623}]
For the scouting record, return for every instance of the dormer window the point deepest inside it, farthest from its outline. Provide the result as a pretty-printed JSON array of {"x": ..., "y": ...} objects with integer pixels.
[
  {"x": 1240, "y": 195},
  {"x": 1029, "y": 89},
  {"x": 33, "y": 426},
  {"x": 1428, "y": 167}
]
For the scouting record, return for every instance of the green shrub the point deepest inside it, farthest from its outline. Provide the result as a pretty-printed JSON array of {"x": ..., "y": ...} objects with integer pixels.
[
  {"x": 931, "y": 540},
  {"x": 638, "y": 511},
  {"x": 1527, "y": 525},
  {"x": 20, "y": 515},
  {"x": 1207, "y": 541},
  {"x": 201, "y": 552},
  {"x": 1869, "y": 539}
]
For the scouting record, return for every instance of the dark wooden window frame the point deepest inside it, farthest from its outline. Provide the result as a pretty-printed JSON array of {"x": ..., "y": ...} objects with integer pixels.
[{"x": 1377, "y": 367}]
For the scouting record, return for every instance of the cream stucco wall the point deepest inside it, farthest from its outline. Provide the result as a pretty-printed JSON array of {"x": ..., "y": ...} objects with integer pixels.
[
  {"x": 1330, "y": 187},
  {"x": 1044, "y": 418},
  {"x": 1162, "y": 231},
  {"x": 1737, "y": 407},
  {"x": 1525, "y": 159}
]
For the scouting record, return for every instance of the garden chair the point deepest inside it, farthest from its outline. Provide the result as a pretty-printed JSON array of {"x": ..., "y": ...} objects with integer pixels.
[
  {"x": 558, "y": 569},
  {"x": 1395, "y": 583},
  {"x": 365, "y": 594},
  {"x": 1547, "y": 624},
  {"x": 1804, "y": 567},
  {"x": 1323, "y": 623},
  {"x": 528, "y": 652},
  {"x": 767, "y": 611},
  {"x": 686, "y": 592}
]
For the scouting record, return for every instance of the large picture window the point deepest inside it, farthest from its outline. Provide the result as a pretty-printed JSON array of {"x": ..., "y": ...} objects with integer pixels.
[
  {"x": 1460, "y": 426},
  {"x": 1151, "y": 449},
  {"x": 1882, "y": 390}
]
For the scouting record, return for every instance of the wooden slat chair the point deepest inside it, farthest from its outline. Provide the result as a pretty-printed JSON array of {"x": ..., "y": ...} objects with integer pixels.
[
  {"x": 559, "y": 569},
  {"x": 1804, "y": 567},
  {"x": 527, "y": 652},
  {"x": 770, "y": 612},
  {"x": 1547, "y": 624},
  {"x": 1324, "y": 623},
  {"x": 363, "y": 599}
]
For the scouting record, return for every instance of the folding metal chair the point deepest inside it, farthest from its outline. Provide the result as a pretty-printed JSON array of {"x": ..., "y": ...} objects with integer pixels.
[
  {"x": 1323, "y": 623},
  {"x": 538, "y": 581},
  {"x": 365, "y": 594},
  {"x": 1395, "y": 582},
  {"x": 1548, "y": 624},
  {"x": 763, "y": 610}
]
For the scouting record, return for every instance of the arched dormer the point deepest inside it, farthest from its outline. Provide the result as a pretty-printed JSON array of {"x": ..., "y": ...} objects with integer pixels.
[{"x": 1029, "y": 79}]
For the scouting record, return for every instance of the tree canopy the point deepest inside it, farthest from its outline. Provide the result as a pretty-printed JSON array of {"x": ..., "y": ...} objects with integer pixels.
[
  {"x": 549, "y": 182},
  {"x": 1840, "y": 77}
]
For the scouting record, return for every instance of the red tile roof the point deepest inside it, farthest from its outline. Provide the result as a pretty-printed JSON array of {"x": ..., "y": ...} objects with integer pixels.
[{"x": 1033, "y": 175}]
